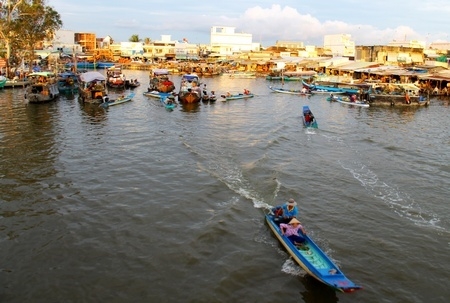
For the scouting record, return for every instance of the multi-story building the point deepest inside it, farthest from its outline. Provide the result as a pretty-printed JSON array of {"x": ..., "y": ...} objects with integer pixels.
[
  {"x": 339, "y": 45},
  {"x": 88, "y": 41},
  {"x": 225, "y": 41}
]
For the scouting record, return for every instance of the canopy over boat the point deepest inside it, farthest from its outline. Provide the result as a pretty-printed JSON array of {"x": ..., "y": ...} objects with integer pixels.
[
  {"x": 160, "y": 71},
  {"x": 190, "y": 77},
  {"x": 92, "y": 76}
]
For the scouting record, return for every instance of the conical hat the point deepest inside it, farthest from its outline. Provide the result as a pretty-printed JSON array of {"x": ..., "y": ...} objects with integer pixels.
[{"x": 294, "y": 221}]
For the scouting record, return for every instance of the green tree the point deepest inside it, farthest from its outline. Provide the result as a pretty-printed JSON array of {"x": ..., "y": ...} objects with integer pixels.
[
  {"x": 25, "y": 23},
  {"x": 147, "y": 41},
  {"x": 134, "y": 38}
]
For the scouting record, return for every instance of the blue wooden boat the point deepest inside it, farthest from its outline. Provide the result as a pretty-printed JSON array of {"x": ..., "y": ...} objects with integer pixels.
[
  {"x": 313, "y": 260},
  {"x": 83, "y": 65},
  {"x": 120, "y": 100},
  {"x": 308, "y": 118},
  {"x": 68, "y": 83},
  {"x": 168, "y": 103},
  {"x": 237, "y": 96},
  {"x": 315, "y": 88},
  {"x": 157, "y": 94}
]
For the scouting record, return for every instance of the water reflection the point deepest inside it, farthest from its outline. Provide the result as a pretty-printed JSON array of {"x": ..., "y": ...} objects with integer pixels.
[
  {"x": 94, "y": 112},
  {"x": 190, "y": 107}
]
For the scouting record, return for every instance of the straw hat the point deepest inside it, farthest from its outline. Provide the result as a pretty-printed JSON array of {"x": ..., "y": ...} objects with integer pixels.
[
  {"x": 293, "y": 221},
  {"x": 291, "y": 202}
]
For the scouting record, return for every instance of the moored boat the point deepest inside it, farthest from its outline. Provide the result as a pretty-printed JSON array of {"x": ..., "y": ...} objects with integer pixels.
[
  {"x": 352, "y": 100},
  {"x": 313, "y": 260},
  {"x": 115, "y": 77},
  {"x": 335, "y": 88},
  {"x": 159, "y": 81},
  {"x": 83, "y": 65},
  {"x": 121, "y": 99},
  {"x": 308, "y": 118},
  {"x": 43, "y": 87},
  {"x": 3, "y": 81},
  {"x": 237, "y": 96},
  {"x": 239, "y": 74},
  {"x": 168, "y": 103},
  {"x": 92, "y": 87},
  {"x": 397, "y": 94},
  {"x": 68, "y": 83},
  {"x": 190, "y": 91},
  {"x": 303, "y": 92}
]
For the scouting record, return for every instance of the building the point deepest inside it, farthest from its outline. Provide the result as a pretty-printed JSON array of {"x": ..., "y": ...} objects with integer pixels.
[
  {"x": 225, "y": 41},
  {"x": 87, "y": 41},
  {"x": 339, "y": 45}
]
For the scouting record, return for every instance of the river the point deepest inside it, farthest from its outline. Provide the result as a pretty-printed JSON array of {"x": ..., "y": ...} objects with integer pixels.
[{"x": 135, "y": 203}]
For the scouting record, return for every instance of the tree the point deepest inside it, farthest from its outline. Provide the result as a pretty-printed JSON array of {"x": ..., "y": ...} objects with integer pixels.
[
  {"x": 147, "y": 41},
  {"x": 25, "y": 23},
  {"x": 134, "y": 38}
]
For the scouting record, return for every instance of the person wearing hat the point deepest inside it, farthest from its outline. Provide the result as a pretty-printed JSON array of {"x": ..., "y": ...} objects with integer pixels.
[
  {"x": 286, "y": 212},
  {"x": 291, "y": 231}
]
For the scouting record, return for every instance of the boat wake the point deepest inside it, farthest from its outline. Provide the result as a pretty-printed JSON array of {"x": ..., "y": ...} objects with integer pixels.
[{"x": 400, "y": 202}]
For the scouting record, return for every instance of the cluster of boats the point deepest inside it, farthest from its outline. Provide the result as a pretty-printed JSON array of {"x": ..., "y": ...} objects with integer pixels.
[{"x": 91, "y": 86}]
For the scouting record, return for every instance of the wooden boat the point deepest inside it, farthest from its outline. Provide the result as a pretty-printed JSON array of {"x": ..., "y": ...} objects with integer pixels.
[
  {"x": 83, "y": 65},
  {"x": 302, "y": 92},
  {"x": 190, "y": 91},
  {"x": 68, "y": 83},
  {"x": 92, "y": 87},
  {"x": 43, "y": 87},
  {"x": 308, "y": 118},
  {"x": 3, "y": 81},
  {"x": 105, "y": 64},
  {"x": 239, "y": 74},
  {"x": 119, "y": 100},
  {"x": 347, "y": 100},
  {"x": 397, "y": 94},
  {"x": 168, "y": 103},
  {"x": 132, "y": 83},
  {"x": 335, "y": 89},
  {"x": 237, "y": 96},
  {"x": 314, "y": 261},
  {"x": 159, "y": 81},
  {"x": 156, "y": 94},
  {"x": 115, "y": 78}
]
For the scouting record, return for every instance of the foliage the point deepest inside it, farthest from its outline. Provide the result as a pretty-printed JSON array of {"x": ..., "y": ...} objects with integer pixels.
[
  {"x": 134, "y": 38},
  {"x": 26, "y": 23}
]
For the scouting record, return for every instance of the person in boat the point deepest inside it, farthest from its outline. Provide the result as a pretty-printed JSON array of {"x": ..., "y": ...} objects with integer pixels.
[
  {"x": 309, "y": 118},
  {"x": 294, "y": 231},
  {"x": 407, "y": 99},
  {"x": 246, "y": 92},
  {"x": 213, "y": 95},
  {"x": 205, "y": 91},
  {"x": 353, "y": 98},
  {"x": 228, "y": 94},
  {"x": 286, "y": 212}
]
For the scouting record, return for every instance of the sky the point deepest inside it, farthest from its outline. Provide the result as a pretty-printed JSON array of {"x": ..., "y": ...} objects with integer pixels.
[{"x": 376, "y": 22}]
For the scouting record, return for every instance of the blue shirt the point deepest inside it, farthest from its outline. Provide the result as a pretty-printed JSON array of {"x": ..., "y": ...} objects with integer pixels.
[{"x": 289, "y": 213}]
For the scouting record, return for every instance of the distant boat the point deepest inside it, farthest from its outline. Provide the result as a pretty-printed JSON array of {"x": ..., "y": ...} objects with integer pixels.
[
  {"x": 302, "y": 92},
  {"x": 160, "y": 82},
  {"x": 83, "y": 65},
  {"x": 239, "y": 74},
  {"x": 105, "y": 64},
  {"x": 348, "y": 101},
  {"x": 115, "y": 78},
  {"x": 237, "y": 96}
]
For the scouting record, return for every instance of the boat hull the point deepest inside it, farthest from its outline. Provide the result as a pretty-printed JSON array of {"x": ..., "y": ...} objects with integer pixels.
[
  {"x": 290, "y": 91},
  {"x": 306, "y": 123},
  {"x": 118, "y": 101},
  {"x": 313, "y": 260},
  {"x": 239, "y": 96}
]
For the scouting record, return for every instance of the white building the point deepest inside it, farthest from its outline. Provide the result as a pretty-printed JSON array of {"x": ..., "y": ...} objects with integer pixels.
[
  {"x": 339, "y": 45},
  {"x": 64, "y": 40},
  {"x": 225, "y": 41}
]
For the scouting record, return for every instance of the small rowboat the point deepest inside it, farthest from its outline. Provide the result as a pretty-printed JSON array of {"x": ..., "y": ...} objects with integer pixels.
[
  {"x": 346, "y": 100},
  {"x": 313, "y": 260},
  {"x": 168, "y": 103},
  {"x": 157, "y": 94},
  {"x": 291, "y": 91},
  {"x": 120, "y": 100},
  {"x": 308, "y": 118},
  {"x": 237, "y": 96}
]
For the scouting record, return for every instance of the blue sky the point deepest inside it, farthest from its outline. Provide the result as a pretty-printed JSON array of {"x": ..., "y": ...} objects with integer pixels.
[{"x": 368, "y": 22}]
